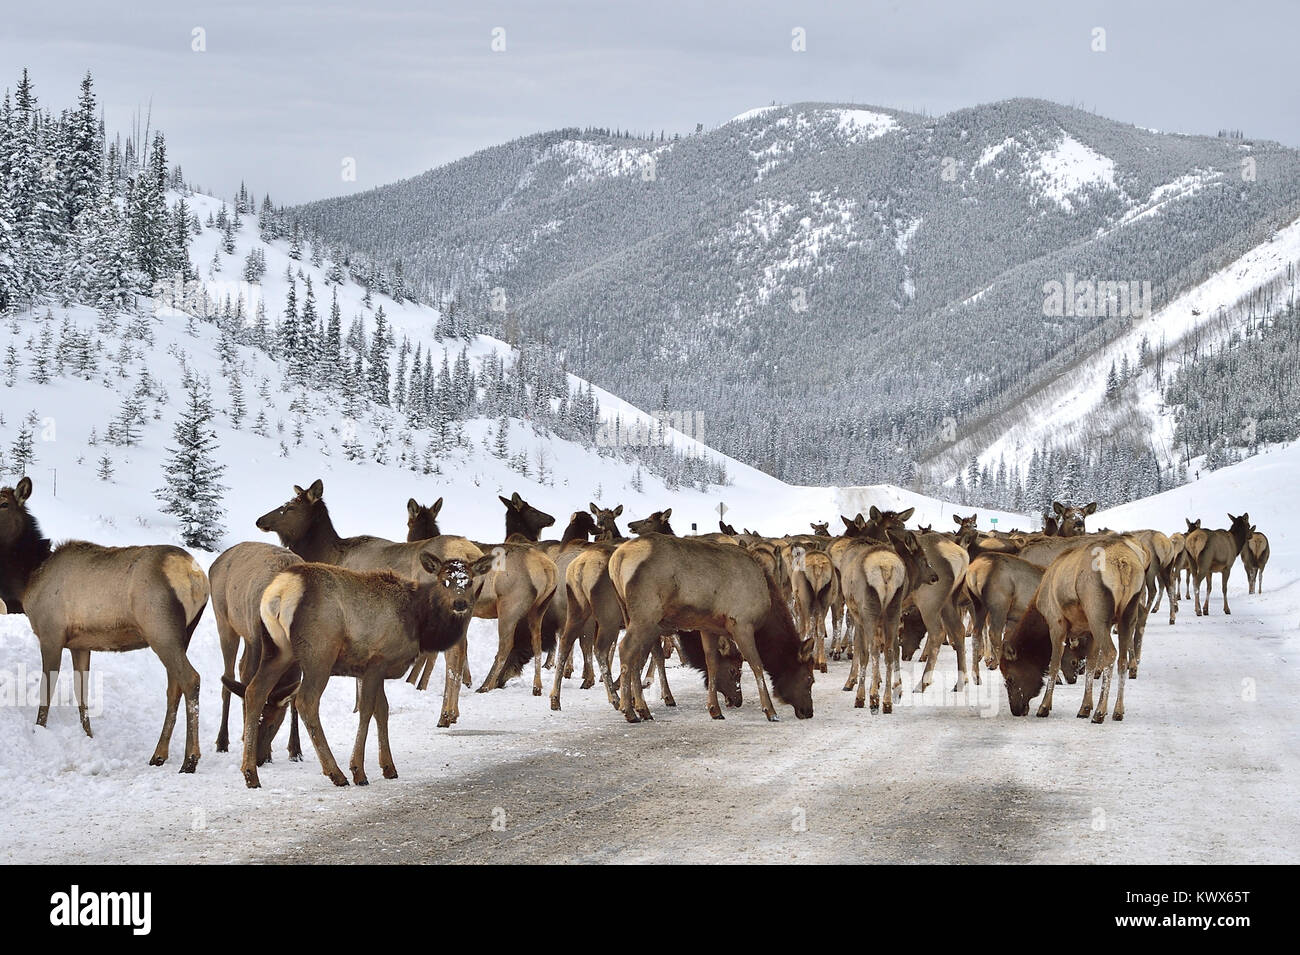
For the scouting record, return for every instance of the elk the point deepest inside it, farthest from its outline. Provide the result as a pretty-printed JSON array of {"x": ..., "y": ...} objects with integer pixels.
[
  {"x": 1254, "y": 556},
  {"x": 1177, "y": 546},
  {"x": 671, "y": 583},
  {"x": 371, "y": 625},
  {"x": 812, "y": 578},
  {"x": 85, "y": 598},
  {"x": 237, "y": 578},
  {"x": 821, "y": 530},
  {"x": 303, "y": 525},
  {"x": 1214, "y": 552},
  {"x": 524, "y": 519},
  {"x": 1000, "y": 587},
  {"x": 1071, "y": 518},
  {"x": 514, "y": 583},
  {"x": 1083, "y": 594},
  {"x": 877, "y": 579}
]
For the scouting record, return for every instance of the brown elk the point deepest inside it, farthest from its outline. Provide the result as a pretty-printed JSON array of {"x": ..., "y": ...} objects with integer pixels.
[
  {"x": 304, "y": 525},
  {"x": 821, "y": 530},
  {"x": 514, "y": 584},
  {"x": 524, "y": 519},
  {"x": 1177, "y": 561},
  {"x": 877, "y": 579},
  {"x": 812, "y": 579},
  {"x": 86, "y": 598},
  {"x": 371, "y": 625},
  {"x": 237, "y": 578},
  {"x": 1000, "y": 587},
  {"x": 670, "y": 583},
  {"x": 1214, "y": 552},
  {"x": 1254, "y": 557},
  {"x": 1083, "y": 594}
]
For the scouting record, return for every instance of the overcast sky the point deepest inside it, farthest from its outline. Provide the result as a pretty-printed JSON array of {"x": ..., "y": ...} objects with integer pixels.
[{"x": 284, "y": 92}]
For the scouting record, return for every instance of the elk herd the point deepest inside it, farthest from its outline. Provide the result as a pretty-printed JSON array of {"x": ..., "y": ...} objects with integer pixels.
[{"x": 1040, "y": 607}]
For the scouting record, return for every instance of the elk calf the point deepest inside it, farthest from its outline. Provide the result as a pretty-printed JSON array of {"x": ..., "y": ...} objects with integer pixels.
[{"x": 365, "y": 624}]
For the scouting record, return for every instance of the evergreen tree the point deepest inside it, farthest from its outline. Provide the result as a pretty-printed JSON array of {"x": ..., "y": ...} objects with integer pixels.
[{"x": 192, "y": 491}]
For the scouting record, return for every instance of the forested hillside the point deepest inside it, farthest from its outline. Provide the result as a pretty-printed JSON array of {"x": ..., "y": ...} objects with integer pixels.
[{"x": 838, "y": 290}]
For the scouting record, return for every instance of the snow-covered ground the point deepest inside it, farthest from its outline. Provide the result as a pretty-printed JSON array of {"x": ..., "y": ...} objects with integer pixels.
[{"x": 1210, "y": 724}]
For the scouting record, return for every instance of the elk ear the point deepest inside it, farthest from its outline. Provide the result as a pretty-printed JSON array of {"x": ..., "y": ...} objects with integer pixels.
[
  {"x": 1058, "y": 508},
  {"x": 956, "y": 519},
  {"x": 316, "y": 491},
  {"x": 298, "y": 492},
  {"x": 435, "y": 507},
  {"x": 594, "y": 509},
  {"x": 1090, "y": 509},
  {"x": 847, "y": 522},
  {"x": 667, "y": 514},
  {"x": 23, "y": 490},
  {"x": 806, "y": 650},
  {"x": 483, "y": 565},
  {"x": 430, "y": 562},
  {"x": 618, "y": 510},
  {"x": 505, "y": 501},
  {"x": 516, "y": 500},
  {"x": 907, "y": 514},
  {"x": 874, "y": 512},
  {"x": 412, "y": 509},
  {"x": 1008, "y": 651},
  {"x": 1253, "y": 528}
]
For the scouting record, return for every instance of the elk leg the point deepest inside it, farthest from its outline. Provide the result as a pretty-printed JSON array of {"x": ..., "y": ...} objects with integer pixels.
[
  {"x": 564, "y": 646},
  {"x": 370, "y": 685},
  {"x": 51, "y": 660},
  {"x": 852, "y": 680},
  {"x": 1090, "y": 665},
  {"x": 309, "y": 694},
  {"x": 1128, "y": 650},
  {"x": 876, "y": 641},
  {"x": 229, "y": 641},
  {"x": 665, "y": 693},
  {"x": 505, "y": 639},
  {"x": 588, "y": 644},
  {"x": 629, "y": 678},
  {"x": 743, "y": 637},
  {"x": 80, "y": 680},
  {"x": 892, "y": 623},
  {"x": 606, "y": 637},
  {"x": 295, "y": 744},
  {"x": 1058, "y": 646},
  {"x": 934, "y": 636},
  {"x": 535, "y": 631},
  {"x": 269, "y": 671},
  {"x": 381, "y": 730},
  {"x": 1106, "y": 660},
  {"x": 710, "y": 644},
  {"x": 1226, "y": 609},
  {"x": 649, "y": 676},
  {"x": 455, "y": 664}
]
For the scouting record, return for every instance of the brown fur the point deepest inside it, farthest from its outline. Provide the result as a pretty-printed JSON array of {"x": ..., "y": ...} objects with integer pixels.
[
  {"x": 1254, "y": 557},
  {"x": 1211, "y": 552}
]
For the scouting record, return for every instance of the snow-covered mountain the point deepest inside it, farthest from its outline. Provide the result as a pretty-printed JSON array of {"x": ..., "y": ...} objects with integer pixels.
[{"x": 837, "y": 287}]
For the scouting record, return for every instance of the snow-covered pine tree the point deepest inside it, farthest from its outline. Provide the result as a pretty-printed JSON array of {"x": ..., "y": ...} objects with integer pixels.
[{"x": 192, "y": 491}]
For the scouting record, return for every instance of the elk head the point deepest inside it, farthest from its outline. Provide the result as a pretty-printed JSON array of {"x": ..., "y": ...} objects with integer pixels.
[
  {"x": 14, "y": 519},
  {"x": 523, "y": 518},
  {"x": 1026, "y": 654},
  {"x": 1072, "y": 518},
  {"x": 1240, "y": 530},
  {"x": 447, "y": 593},
  {"x": 606, "y": 522},
  {"x": 909, "y": 549},
  {"x": 1194, "y": 525},
  {"x": 656, "y": 523},
  {"x": 293, "y": 520},
  {"x": 421, "y": 521},
  {"x": 820, "y": 530}
]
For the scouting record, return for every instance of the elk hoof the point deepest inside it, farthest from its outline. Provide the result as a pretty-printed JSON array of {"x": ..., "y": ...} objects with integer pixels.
[
  {"x": 1042, "y": 711},
  {"x": 190, "y": 764},
  {"x": 587, "y": 683},
  {"x": 822, "y": 667},
  {"x": 859, "y": 704},
  {"x": 85, "y": 725},
  {"x": 222, "y": 746},
  {"x": 444, "y": 721},
  {"x": 293, "y": 757},
  {"x": 157, "y": 760},
  {"x": 716, "y": 712},
  {"x": 483, "y": 689},
  {"x": 337, "y": 778},
  {"x": 1132, "y": 673},
  {"x": 1084, "y": 712},
  {"x": 631, "y": 717},
  {"x": 1117, "y": 716},
  {"x": 251, "y": 780},
  {"x": 537, "y": 691},
  {"x": 1099, "y": 717},
  {"x": 669, "y": 701},
  {"x": 646, "y": 715},
  {"x": 773, "y": 718},
  {"x": 875, "y": 707},
  {"x": 887, "y": 706},
  {"x": 390, "y": 772}
]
